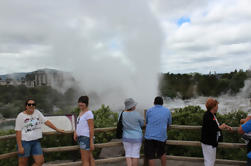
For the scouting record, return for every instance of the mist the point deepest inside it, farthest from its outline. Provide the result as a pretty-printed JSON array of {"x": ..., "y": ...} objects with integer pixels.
[
  {"x": 227, "y": 102},
  {"x": 113, "y": 50}
]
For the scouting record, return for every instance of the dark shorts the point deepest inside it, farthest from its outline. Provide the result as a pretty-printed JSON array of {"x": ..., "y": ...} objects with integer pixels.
[
  {"x": 84, "y": 142},
  {"x": 31, "y": 148},
  {"x": 154, "y": 149},
  {"x": 249, "y": 162}
]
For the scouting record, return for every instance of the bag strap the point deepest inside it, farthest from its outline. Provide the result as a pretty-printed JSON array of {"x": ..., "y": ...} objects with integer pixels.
[{"x": 120, "y": 118}]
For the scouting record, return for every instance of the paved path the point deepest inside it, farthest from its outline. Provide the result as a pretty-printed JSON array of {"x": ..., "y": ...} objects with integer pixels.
[{"x": 169, "y": 163}]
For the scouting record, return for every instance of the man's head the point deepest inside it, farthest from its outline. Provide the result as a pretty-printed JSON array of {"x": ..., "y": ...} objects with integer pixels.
[{"x": 158, "y": 100}]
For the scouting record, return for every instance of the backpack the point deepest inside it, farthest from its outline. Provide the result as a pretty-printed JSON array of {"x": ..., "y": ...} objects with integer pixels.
[{"x": 119, "y": 131}]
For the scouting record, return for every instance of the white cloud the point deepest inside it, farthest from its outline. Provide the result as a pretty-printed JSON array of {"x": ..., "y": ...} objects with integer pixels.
[
  {"x": 117, "y": 44},
  {"x": 216, "y": 38}
]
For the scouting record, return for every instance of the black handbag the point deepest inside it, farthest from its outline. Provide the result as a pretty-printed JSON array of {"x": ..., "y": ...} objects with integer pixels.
[{"x": 119, "y": 131}]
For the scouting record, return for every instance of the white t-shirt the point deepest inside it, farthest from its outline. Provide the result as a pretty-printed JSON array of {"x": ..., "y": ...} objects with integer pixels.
[
  {"x": 218, "y": 132},
  {"x": 30, "y": 125},
  {"x": 82, "y": 124}
]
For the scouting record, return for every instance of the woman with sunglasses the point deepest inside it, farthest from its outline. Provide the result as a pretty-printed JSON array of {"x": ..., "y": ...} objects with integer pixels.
[
  {"x": 29, "y": 132},
  {"x": 85, "y": 131}
]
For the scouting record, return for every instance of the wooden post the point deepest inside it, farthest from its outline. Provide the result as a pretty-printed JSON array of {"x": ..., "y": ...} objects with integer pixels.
[{"x": 145, "y": 159}]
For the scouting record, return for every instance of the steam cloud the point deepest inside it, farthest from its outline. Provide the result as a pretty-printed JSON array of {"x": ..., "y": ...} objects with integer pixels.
[{"x": 114, "y": 54}]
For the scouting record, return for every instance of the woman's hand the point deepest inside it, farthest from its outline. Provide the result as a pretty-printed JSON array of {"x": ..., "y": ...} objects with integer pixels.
[
  {"x": 222, "y": 126},
  {"x": 60, "y": 131},
  {"x": 92, "y": 146},
  {"x": 228, "y": 127},
  {"x": 21, "y": 150},
  {"x": 225, "y": 127},
  {"x": 75, "y": 137}
]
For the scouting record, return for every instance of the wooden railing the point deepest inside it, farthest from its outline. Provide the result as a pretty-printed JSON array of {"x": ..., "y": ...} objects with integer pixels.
[{"x": 119, "y": 143}]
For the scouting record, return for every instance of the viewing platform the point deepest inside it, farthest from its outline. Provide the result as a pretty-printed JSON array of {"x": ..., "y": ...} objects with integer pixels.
[{"x": 120, "y": 160}]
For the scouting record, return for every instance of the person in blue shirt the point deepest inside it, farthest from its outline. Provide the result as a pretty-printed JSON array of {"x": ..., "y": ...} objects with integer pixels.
[
  {"x": 132, "y": 133},
  {"x": 246, "y": 128},
  {"x": 158, "y": 118}
]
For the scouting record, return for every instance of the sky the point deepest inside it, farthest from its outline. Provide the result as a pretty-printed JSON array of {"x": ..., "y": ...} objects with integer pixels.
[{"x": 192, "y": 36}]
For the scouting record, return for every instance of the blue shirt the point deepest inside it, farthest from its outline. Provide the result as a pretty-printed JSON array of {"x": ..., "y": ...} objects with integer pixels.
[
  {"x": 132, "y": 122},
  {"x": 247, "y": 128},
  {"x": 157, "y": 120}
]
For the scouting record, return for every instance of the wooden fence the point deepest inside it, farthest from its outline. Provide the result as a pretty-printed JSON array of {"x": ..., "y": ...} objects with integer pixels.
[{"x": 119, "y": 143}]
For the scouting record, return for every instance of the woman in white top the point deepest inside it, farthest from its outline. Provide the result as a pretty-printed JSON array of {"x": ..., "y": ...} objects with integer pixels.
[
  {"x": 85, "y": 131},
  {"x": 29, "y": 132}
]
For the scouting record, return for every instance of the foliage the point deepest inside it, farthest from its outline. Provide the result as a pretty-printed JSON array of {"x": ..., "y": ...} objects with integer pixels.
[
  {"x": 7, "y": 146},
  {"x": 12, "y": 99},
  {"x": 191, "y": 85},
  {"x": 192, "y": 115},
  {"x": 51, "y": 101},
  {"x": 104, "y": 117}
]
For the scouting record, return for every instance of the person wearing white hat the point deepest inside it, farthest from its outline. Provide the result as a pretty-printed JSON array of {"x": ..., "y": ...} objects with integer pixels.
[{"x": 132, "y": 133}]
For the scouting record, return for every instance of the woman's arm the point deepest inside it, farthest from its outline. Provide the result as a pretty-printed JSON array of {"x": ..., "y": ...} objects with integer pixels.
[
  {"x": 75, "y": 137},
  {"x": 225, "y": 127},
  {"x": 19, "y": 142},
  {"x": 240, "y": 130},
  {"x": 91, "y": 129},
  {"x": 49, "y": 124}
]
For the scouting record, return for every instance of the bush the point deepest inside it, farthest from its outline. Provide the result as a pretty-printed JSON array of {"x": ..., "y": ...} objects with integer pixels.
[
  {"x": 8, "y": 146},
  {"x": 103, "y": 117},
  {"x": 192, "y": 115}
]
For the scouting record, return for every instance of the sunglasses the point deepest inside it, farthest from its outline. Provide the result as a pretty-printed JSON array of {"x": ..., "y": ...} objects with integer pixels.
[{"x": 31, "y": 104}]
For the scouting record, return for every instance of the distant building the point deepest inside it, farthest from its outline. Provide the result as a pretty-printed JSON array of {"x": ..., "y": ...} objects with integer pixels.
[
  {"x": 10, "y": 81},
  {"x": 44, "y": 77}
]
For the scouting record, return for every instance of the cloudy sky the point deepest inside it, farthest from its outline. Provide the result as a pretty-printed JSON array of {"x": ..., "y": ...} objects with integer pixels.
[{"x": 177, "y": 36}]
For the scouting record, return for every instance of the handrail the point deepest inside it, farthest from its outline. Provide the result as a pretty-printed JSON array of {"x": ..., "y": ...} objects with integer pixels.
[
  {"x": 10, "y": 136},
  {"x": 180, "y": 127},
  {"x": 119, "y": 143}
]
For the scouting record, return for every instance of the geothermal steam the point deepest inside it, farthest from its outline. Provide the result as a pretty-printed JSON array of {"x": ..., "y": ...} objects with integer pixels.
[{"x": 113, "y": 48}]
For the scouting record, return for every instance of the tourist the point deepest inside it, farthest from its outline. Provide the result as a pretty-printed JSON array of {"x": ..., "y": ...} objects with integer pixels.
[
  {"x": 132, "y": 133},
  {"x": 84, "y": 133},
  {"x": 245, "y": 129},
  {"x": 158, "y": 118},
  {"x": 211, "y": 132},
  {"x": 29, "y": 132}
]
